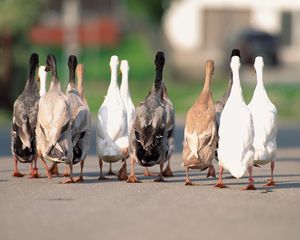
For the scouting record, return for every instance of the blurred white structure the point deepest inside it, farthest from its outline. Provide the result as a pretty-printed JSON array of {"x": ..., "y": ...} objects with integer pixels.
[{"x": 206, "y": 28}]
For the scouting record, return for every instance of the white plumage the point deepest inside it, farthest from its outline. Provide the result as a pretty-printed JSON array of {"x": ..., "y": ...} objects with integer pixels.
[
  {"x": 125, "y": 94},
  {"x": 42, "y": 75},
  {"x": 112, "y": 134},
  {"x": 236, "y": 129},
  {"x": 264, "y": 116}
]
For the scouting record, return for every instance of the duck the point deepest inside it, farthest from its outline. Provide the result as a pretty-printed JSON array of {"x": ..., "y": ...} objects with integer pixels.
[
  {"x": 53, "y": 129},
  {"x": 148, "y": 137},
  {"x": 264, "y": 115},
  {"x": 219, "y": 106},
  {"x": 25, "y": 111},
  {"x": 80, "y": 119},
  {"x": 200, "y": 132},
  {"x": 111, "y": 129},
  {"x": 42, "y": 78},
  {"x": 167, "y": 172},
  {"x": 236, "y": 133}
]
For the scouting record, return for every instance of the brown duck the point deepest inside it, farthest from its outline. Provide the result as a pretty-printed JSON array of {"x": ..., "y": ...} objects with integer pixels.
[{"x": 200, "y": 133}]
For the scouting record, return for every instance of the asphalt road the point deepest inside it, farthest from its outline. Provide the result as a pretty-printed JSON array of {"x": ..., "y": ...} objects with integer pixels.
[{"x": 37, "y": 209}]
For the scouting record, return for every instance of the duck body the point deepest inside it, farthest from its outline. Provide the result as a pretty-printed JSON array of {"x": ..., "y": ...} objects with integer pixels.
[
  {"x": 200, "y": 135},
  {"x": 148, "y": 137},
  {"x": 264, "y": 114},
  {"x": 80, "y": 116},
  {"x": 236, "y": 130},
  {"x": 54, "y": 126},
  {"x": 25, "y": 111},
  {"x": 112, "y": 135},
  {"x": 54, "y": 139}
]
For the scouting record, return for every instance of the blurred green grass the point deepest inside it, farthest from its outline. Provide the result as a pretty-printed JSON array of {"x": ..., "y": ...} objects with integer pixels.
[{"x": 183, "y": 93}]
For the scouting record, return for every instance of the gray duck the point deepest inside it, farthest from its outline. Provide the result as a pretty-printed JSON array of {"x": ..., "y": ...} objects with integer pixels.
[
  {"x": 148, "y": 138},
  {"x": 25, "y": 110}
]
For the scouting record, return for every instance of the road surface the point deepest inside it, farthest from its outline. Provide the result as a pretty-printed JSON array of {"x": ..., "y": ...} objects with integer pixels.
[{"x": 36, "y": 209}]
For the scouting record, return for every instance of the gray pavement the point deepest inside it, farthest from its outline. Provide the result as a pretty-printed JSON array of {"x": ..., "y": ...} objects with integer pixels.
[{"x": 37, "y": 209}]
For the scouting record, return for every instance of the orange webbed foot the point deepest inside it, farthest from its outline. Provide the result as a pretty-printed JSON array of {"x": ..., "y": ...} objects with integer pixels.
[
  {"x": 133, "y": 179},
  {"x": 270, "y": 183},
  {"x": 79, "y": 179},
  {"x": 249, "y": 187},
  {"x": 70, "y": 180},
  {"x": 34, "y": 173},
  {"x": 220, "y": 184},
  {"x": 18, "y": 174}
]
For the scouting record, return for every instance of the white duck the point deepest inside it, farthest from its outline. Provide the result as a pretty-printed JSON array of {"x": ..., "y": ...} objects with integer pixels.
[
  {"x": 236, "y": 132},
  {"x": 125, "y": 94},
  {"x": 264, "y": 116},
  {"x": 42, "y": 77},
  {"x": 112, "y": 134}
]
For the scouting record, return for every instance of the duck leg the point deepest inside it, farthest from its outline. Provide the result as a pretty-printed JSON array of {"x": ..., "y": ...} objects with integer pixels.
[
  {"x": 147, "y": 173},
  {"x": 70, "y": 180},
  {"x": 80, "y": 178},
  {"x": 132, "y": 178},
  {"x": 160, "y": 177},
  {"x": 220, "y": 183},
  {"x": 251, "y": 181},
  {"x": 34, "y": 170},
  {"x": 101, "y": 172},
  {"x": 122, "y": 174},
  {"x": 188, "y": 181},
  {"x": 45, "y": 166},
  {"x": 110, "y": 172},
  {"x": 66, "y": 171},
  {"x": 271, "y": 181},
  {"x": 54, "y": 169},
  {"x": 211, "y": 172},
  {"x": 168, "y": 172},
  {"x": 16, "y": 172}
]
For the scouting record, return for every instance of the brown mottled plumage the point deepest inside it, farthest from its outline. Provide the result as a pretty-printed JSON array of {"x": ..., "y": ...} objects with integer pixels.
[{"x": 200, "y": 129}]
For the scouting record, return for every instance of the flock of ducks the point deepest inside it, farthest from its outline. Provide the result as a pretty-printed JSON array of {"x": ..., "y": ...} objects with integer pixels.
[{"x": 56, "y": 126}]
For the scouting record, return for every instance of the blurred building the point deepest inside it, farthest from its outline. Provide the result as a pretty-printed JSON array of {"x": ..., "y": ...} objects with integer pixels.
[
  {"x": 201, "y": 29},
  {"x": 74, "y": 23}
]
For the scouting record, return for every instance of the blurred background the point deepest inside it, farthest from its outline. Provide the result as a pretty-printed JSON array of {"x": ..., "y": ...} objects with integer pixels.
[{"x": 188, "y": 31}]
